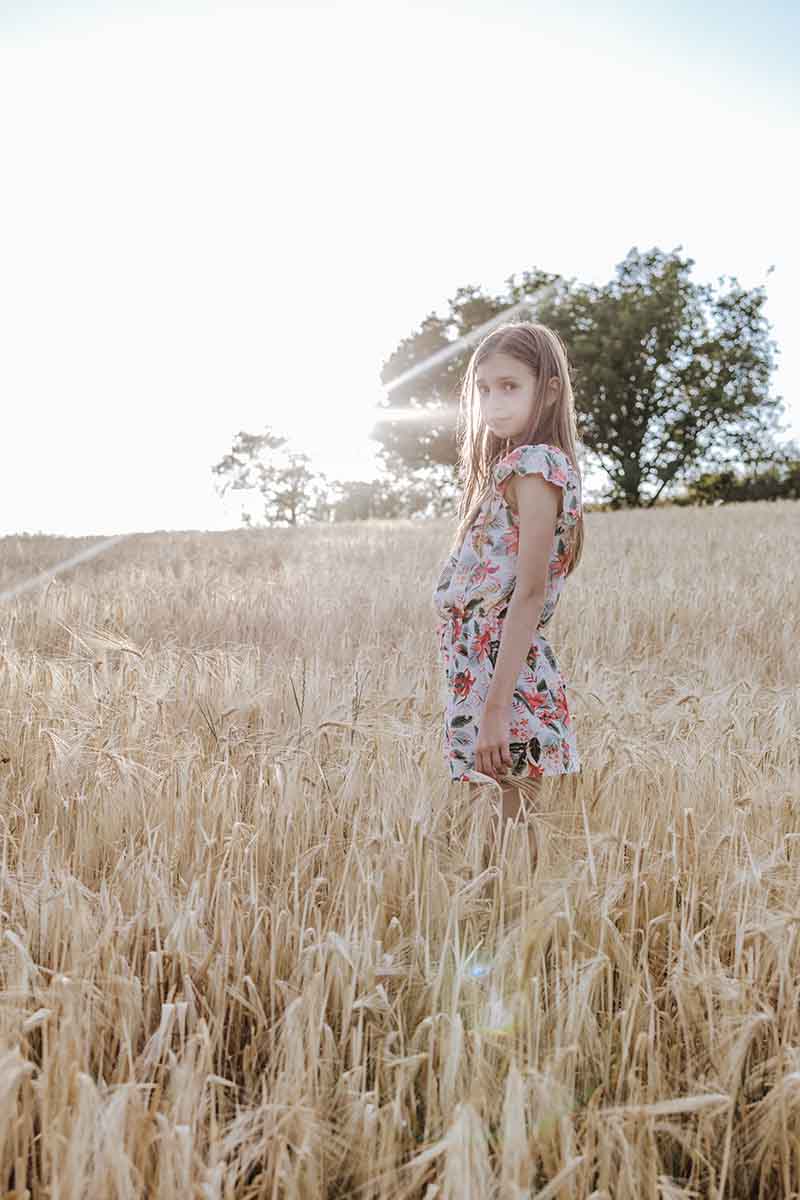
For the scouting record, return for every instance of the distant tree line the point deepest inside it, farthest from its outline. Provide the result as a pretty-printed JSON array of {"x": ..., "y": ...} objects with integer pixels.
[
  {"x": 671, "y": 382},
  {"x": 776, "y": 482}
]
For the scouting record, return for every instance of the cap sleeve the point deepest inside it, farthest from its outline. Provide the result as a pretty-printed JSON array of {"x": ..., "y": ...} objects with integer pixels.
[{"x": 553, "y": 464}]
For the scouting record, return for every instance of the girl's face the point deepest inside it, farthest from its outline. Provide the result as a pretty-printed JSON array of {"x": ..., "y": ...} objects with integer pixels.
[{"x": 505, "y": 387}]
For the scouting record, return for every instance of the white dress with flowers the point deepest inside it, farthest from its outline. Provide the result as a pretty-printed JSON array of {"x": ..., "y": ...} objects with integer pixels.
[{"x": 471, "y": 599}]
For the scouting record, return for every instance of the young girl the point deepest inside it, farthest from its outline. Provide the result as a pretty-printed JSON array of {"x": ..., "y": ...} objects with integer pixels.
[{"x": 520, "y": 534}]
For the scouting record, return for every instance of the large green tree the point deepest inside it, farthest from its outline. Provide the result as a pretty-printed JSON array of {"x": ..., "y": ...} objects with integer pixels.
[{"x": 670, "y": 378}]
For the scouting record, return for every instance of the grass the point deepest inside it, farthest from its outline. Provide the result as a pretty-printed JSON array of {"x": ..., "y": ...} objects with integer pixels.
[{"x": 243, "y": 952}]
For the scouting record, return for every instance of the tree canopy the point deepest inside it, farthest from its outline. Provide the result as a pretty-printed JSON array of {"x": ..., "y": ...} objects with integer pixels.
[
  {"x": 670, "y": 377},
  {"x": 671, "y": 381}
]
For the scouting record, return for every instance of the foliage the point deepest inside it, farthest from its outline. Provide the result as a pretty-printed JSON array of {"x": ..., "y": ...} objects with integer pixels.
[
  {"x": 288, "y": 486},
  {"x": 668, "y": 377},
  {"x": 778, "y": 481},
  {"x": 671, "y": 384},
  {"x": 433, "y": 392},
  {"x": 427, "y": 491}
]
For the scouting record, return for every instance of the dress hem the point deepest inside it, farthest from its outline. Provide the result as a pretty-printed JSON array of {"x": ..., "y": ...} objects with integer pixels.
[{"x": 463, "y": 777}]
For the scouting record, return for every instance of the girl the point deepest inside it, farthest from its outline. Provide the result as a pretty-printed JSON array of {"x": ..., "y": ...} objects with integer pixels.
[{"x": 520, "y": 534}]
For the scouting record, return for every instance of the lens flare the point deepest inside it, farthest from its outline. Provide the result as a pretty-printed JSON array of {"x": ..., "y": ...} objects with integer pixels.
[{"x": 499, "y": 1018}]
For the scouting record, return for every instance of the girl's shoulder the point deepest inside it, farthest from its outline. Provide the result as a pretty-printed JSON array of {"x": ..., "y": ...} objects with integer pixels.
[
  {"x": 544, "y": 459},
  {"x": 538, "y": 456}
]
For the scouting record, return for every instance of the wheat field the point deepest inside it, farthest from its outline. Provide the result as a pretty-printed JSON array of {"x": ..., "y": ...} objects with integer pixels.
[{"x": 247, "y": 948}]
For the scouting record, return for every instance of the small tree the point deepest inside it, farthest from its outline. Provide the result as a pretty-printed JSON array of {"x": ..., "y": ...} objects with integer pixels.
[{"x": 292, "y": 493}]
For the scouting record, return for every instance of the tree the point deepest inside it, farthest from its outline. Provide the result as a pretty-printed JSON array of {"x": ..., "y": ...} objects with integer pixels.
[
  {"x": 356, "y": 500},
  {"x": 778, "y": 481},
  {"x": 291, "y": 492},
  {"x": 426, "y": 492},
  {"x": 418, "y": 429},
  {"x": 669, "y": 379}
]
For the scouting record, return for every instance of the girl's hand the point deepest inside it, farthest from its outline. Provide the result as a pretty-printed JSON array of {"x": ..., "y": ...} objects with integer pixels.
[{"x": 492, "y": 754}]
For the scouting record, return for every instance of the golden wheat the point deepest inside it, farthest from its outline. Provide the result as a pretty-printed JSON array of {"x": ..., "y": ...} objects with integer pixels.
[{"x": 246, "y": 945}]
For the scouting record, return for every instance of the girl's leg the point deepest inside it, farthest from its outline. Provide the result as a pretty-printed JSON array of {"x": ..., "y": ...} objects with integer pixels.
[
  {"x": 518, "y": 806},
  {"x": 511, "y": 813}
]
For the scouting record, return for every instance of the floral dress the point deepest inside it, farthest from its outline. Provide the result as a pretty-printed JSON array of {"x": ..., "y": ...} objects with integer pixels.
[{"x": 471, "y": 598}]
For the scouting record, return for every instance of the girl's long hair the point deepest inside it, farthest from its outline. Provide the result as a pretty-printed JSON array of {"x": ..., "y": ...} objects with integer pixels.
[{"x": 542, "y": 350}]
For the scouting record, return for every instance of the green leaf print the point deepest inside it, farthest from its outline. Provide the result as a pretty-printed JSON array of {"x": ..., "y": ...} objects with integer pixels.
[{"x": 524, "y": 752}]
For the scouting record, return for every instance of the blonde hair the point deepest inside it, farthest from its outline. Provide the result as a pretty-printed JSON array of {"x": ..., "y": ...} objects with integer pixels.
[{"x": 542, "y": 350}]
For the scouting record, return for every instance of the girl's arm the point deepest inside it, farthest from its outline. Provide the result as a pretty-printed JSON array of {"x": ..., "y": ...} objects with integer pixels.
[{"x": 538, "y": 503}]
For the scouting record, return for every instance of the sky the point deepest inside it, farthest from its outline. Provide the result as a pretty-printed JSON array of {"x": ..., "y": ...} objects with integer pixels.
[{"x": 218, "y": 218}]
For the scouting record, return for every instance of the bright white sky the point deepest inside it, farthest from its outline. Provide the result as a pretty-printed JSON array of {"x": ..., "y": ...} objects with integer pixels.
[{"x": 219, "y": 217}]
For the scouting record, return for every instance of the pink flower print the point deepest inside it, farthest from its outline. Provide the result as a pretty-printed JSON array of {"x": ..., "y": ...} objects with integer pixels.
[
  {"x": 457, "y": 616},
  {"x": 480, "y": 645},
  {"x": 561, "y": 708},
  {"x": 510, "y": 540},
  {"x": 558, "y": 564},
  {"x": 462, "y": 684},
  {"x": 494, "y": 624},
  {"x": 536, "y": 699},
  {"x": 532, "y": 657},
  {"x": 552, "y": 754},
  {"x": 484, "y": 571}
]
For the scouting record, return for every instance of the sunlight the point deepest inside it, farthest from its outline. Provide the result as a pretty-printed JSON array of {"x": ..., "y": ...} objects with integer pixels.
[{"x": 418, "y": 416}]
